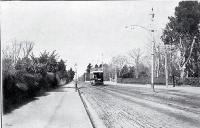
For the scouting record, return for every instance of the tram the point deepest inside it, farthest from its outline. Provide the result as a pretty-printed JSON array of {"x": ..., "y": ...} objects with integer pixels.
[{"x": 96, "y": 76}]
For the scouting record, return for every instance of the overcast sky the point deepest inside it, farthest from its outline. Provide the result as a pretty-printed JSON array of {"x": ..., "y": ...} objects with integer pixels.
[{"x": 81, "y": 31}]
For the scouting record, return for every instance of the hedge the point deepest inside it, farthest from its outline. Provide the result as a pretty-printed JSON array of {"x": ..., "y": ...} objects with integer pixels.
[
  {"x": 21, "y": 86},
  {"x": 190, "y": 81}
]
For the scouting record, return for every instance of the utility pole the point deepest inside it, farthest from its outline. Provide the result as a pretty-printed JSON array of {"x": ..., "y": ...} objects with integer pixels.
[
  {"x": 153, "y": 46},
  {"x": 166, "y": 68},
  {"x": 151, "y": 30}
]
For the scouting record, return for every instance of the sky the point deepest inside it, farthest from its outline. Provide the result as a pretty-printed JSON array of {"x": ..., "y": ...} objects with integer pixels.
[{"x": 84, "y": 32}]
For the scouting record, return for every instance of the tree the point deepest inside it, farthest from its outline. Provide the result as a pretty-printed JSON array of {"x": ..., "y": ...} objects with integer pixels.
[
  {"x": 27, "y": 47},
  {"x": 100, "y": 65},
  {"x": 124, "y": 72},
  {"x": 143, "y": 71},
  {"x": 71, "y": 74},
  {"x": 136, "y": 56},
  {"x": 14, "y": 51},
  {"x": 131, "y": 72},
  {"x": 182, "y": 31},
  {"x": 96, "y": 66},
  {"x": 61, "y": 65},
  {"x": 49, "y": 60},
  {"x": 159, "y": 54},
  {"x": 118, "y": 62},
  {"x": 89, "y": 68},
  {"x": 14, "y": 59}
]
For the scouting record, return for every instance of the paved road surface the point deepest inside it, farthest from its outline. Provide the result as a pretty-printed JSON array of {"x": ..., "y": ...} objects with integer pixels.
[
  {"x": 138, "y": 107},
  {"x": 61, "y": 108}
]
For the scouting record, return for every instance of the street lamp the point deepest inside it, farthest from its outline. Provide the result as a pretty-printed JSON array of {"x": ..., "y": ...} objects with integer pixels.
[{"x": 151, "y": 30}]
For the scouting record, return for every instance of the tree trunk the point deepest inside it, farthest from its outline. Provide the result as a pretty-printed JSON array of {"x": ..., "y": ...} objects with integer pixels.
[
  {"x": 166, "y": 69},
  {"x": 173, "y": 79},
  {"x": 182, "y": 73},
  {"x": 137, "y": 70},
  {"x": 136, "y": 74}
]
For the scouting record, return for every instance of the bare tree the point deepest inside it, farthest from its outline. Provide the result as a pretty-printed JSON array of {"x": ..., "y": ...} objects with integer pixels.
[
  {"x": 27, "y": 48},
  {"x": 119, "y": 61},
  {"x": 13, "y": 52},
  {"x": 136, "y": 56},
  {"x": 160, "y": 54}
]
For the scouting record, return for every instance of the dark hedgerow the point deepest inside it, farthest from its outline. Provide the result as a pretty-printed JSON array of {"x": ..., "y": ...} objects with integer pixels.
[{"x": 30, "y": 77}]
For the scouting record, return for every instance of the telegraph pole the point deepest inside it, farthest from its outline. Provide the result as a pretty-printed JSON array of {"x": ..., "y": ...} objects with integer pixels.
[
  {"x": 153, "y": 46},
  {"x": 151, "y": 30},
  {"x": 166, "y": 68}
]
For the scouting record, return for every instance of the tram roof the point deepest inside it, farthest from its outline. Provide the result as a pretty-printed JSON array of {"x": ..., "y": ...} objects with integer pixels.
[{"x": 97, "y": 72}]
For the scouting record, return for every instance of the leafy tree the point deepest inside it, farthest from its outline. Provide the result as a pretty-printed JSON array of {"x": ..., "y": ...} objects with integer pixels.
[
  {"x": 100, "y": 66},
  {"x": 23, "y": 64},
  {"x": 125, "y": 72},
  {"x": 182, "y": 31},
  {"x": 96, "y": 66},
  {"x": 89, "y": 68},
  {"x": 7, "y": 66},
  {"x": 71, "y": 74},
  {"x": 131, "y": 72},
  {"x": 49, "y": 60},
  {"x": 61, "y": 65}
]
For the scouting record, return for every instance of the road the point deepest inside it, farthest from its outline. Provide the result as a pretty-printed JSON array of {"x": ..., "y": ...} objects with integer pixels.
[
  {"x": 139, "y": 107},
  {"x": 59, "y": 108}
]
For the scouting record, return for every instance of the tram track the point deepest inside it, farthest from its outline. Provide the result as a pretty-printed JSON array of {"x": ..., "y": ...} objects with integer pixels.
[
  {"x": 182, "y": 104},
  {"x": 138, "y": 108}
]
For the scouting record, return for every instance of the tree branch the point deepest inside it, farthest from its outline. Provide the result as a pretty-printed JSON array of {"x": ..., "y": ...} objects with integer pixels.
[{"x": 191, "y": 48}]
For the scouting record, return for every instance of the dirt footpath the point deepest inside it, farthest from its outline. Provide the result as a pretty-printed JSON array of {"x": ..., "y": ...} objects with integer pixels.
[{"x": 138, "y": 107}]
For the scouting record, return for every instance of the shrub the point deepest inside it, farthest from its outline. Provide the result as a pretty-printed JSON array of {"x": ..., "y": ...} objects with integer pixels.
[
  {"x": 134, "y": 80},
  {"x": 159, "y": 80},
  {"x": 51, "y": 79},
  {"x": 12, "y": 94},
  {"x": 25, "y": 77},
  {"x": 192, "y": 81},
  {"x": 143, "y": 80},
  {"x": 28, "y": 79}
]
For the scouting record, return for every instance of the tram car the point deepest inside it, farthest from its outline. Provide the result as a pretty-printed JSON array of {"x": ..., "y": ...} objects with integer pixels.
[{"x": 96, "y": 76}]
